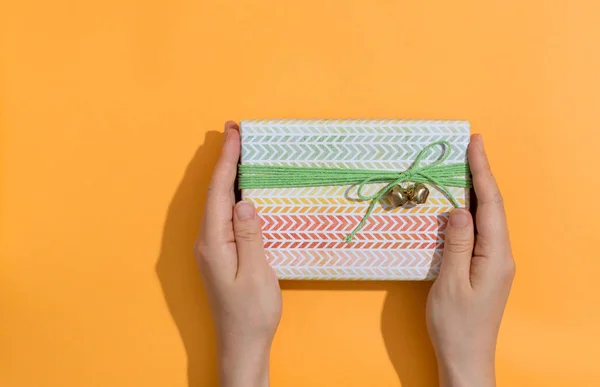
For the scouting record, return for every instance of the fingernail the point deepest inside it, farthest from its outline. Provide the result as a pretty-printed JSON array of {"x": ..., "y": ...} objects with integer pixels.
[
  {"x": 229, "y": 127},
  {"x": 459, "y": 218},
  {"x": 245, "y": 210}
]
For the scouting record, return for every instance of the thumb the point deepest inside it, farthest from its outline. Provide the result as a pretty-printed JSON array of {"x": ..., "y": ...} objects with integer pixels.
[
  {"x": 458, "y": 250},
  {"x": 248, "y": 238}
]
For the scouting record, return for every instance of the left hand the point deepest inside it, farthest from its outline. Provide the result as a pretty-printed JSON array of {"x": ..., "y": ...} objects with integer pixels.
[{"x": 243, "y": 290}]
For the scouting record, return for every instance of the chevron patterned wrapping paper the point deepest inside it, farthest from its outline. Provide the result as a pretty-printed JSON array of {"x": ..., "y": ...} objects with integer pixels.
[{"x": 304, "y": 228}]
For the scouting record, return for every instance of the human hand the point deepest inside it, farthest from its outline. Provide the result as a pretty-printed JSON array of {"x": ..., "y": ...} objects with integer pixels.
[
  {"x": 466, "y": 302},
  {"x": 242, "y": 289}
]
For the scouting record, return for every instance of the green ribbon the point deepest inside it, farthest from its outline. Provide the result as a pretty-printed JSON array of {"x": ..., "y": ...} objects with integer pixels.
[{"x": 435, "y": 174}]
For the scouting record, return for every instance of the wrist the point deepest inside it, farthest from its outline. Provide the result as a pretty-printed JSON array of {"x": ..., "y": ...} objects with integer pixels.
[
  {"x": 467, "y": 371},
  {"x": 244, "y": 364}
]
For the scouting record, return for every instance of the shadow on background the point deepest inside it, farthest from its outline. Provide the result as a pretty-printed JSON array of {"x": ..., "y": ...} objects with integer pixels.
[
  {"x": 402, "y": 320},
  {"x": 403, "y": 325},
  {"x": 405, "y": 334},
  {"x": 177, "y": 270}
]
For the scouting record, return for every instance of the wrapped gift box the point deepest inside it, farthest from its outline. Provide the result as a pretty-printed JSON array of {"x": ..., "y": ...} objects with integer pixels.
[{"x": 304, "y": 228}]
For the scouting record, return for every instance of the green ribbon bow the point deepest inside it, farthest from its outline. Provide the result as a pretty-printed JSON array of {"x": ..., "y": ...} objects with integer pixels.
[{"x": 435, "y": 174}]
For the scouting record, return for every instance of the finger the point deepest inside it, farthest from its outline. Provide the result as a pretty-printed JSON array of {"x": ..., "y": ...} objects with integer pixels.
[
  {"x": 233, "y": 126},
  {"x": 458, "y": 247},
  {"x": 248, "y": 239},
  {"x": 490, "y": 217},
  {"x": 220, "y": 199}
]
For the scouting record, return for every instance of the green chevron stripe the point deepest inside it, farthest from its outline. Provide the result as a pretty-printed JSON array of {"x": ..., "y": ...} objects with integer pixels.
[
  {"x": 342, "y": 130},
  {"x": 336, "y": 152},
  {"x": 348, "y": 139},
  {"x": 279, "y": 127}
]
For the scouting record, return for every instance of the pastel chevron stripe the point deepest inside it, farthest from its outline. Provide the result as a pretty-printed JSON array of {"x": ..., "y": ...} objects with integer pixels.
[
  {"x": 353, "y": 274},
  {"x": 342, "y": 206},
  {"x": 385, "y": 127},
  {"x": 304, "y": 227},
  {"x": 338, "y": 152},
  {"x": 354, "y": 258},
  {"x": 339, "y": 192},
  {"x": 335, "y": 236},
  {"x": 299, "y": 138},
  {"x": 346, "y": 223},
  {"x": 345, "y": 209},
  {"x": 334, "y": 245},
  {"x": 355, "y": 264}
]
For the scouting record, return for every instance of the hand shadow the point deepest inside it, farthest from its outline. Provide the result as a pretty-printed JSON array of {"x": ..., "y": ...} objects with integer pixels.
[
  {"x": 404, "y": 331},
  {"x": 403, "y": 325},
  {"x": 177, "y": 270}
]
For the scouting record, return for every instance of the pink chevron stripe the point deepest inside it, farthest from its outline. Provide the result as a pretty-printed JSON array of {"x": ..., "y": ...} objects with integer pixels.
[
  {"x": 353, "y": 245},
  {"x": 335, "y": 236},
  {"x": 347, "y": 223}
]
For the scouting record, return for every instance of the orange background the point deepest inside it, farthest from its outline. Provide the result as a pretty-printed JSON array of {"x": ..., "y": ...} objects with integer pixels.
[{"x": 110, "y": 122}]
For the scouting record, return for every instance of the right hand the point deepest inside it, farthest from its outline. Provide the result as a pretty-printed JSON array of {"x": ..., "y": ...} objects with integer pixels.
[{"x": 467, "y": 301}]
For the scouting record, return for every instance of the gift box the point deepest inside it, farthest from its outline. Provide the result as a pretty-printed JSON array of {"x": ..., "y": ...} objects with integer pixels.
[{"x": 304, "y": 228}]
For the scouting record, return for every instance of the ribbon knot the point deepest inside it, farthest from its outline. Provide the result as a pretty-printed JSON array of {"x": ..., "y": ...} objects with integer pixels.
[{"x": 435, "y": 174}]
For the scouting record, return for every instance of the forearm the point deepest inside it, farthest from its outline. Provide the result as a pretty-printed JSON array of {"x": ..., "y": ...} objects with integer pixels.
[
  {"x": 475, "y": 373},
  {"x": 243, "y": 367}
]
